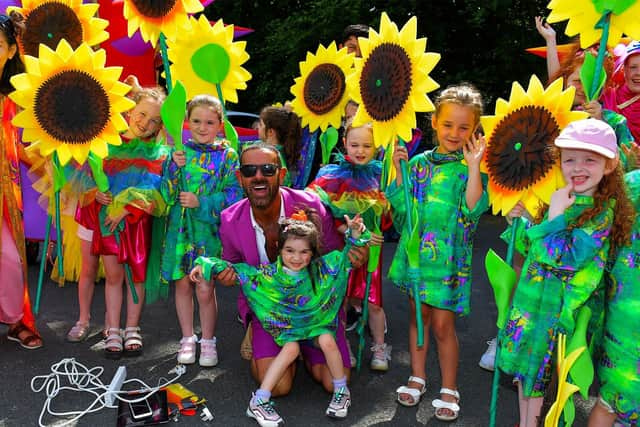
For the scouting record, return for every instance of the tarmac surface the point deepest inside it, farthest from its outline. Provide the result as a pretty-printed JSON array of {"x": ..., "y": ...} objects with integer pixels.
[{"x": 228, "y": 386}]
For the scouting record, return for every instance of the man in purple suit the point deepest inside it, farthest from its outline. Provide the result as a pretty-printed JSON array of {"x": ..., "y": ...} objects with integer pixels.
[{"x": 249, "y": 233}]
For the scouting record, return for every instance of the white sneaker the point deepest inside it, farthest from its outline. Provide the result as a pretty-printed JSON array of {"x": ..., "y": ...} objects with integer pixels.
[
  {"x": 381, "y": 357},
  {"x": 208, "y": 353},
  {"x": 187, "y": 353},
  {"x": 488, "y": 359}
]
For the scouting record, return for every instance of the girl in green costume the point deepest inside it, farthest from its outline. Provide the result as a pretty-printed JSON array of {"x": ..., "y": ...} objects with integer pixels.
[
  {"x": 566, "y": 252},
  {"x": 296, "y": 299},
  {"x": 448, "y": 196},
  {"x": 619, "y": 366},
  {"x": 209, "y": 165}
]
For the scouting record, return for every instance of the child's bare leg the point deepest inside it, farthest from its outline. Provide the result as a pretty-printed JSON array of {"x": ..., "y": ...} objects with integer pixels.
[
  {"x": 114, "y": 277},
  {"x": 444, "y": 330},
  {"x": 417, "y": 354},
  {"x": 279, "y": 365},
  {"x": 184, "y": 305},
  {"x": 86, "y": 281},
  {"x": 601, "y": 416},
  {"x": 134, "y": 311},
  {"x": 522, "y": 406},
  {"x": 376, "y": 323},
  {"x": 206, "y": 294},
  {"x": 332, "y": 355},
  {"x": 534, "y": 407}
]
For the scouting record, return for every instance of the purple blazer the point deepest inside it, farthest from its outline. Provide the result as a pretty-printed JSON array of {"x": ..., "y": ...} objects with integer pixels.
[{"x": 239, "y": 238}]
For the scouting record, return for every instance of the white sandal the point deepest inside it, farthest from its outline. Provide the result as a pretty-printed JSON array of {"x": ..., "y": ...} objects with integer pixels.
[
  {"x": 132, "y": 341},
  {"x": 416, "y": 394},
  {"x": 187, "y": 353},
  {"x": 452, "y": 406}
]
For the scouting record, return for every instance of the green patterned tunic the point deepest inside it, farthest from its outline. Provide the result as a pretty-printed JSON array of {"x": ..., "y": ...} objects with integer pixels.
[
  {"x": 619, "y": 367},
  {"x": 446, "y": 228},
  {"x": 291, "y": 306},
  {"x": 210, "y": 175},
  {"x": 562, "y": 272}
]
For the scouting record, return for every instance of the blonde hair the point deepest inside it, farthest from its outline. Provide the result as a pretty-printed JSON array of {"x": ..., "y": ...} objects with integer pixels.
[
  {"x": 464, "y": 94},
  {"x": 205, "y": 101}
]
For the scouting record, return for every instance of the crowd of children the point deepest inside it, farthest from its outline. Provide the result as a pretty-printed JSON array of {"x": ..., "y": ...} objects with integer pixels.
[{"x": 300, "y": 257}]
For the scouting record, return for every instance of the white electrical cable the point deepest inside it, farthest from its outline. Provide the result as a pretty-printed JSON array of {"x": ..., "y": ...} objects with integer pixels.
[{"x": 83, "y": 379}]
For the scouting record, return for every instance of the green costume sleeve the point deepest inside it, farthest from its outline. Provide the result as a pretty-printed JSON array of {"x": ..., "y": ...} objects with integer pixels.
[{"x": 211, "y": 266}]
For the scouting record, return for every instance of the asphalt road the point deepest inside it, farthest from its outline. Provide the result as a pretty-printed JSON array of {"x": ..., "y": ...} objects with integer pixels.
[{"x": 228, "y": 386}]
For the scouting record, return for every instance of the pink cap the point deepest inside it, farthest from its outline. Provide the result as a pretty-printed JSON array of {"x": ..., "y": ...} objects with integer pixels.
[
  {"x": 623, "y": 53},
  {"x": 589, "y": 134}
]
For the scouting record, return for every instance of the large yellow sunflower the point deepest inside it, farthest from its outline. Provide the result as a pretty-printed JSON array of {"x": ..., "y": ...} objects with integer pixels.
[
  {"x": 72, "y": 103},
  {"x": 153, "y": 17},
  {"x": 205, "y": 55},
  {"x": 50, "y": 21},
  {"x": 320, "y": 91},
  {"x": 583, "y": 15},
  {"x": 519, "y": 159},
  {"x": 391, "y": 80}
]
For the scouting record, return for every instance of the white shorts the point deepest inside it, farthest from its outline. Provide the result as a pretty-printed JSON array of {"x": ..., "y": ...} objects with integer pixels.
[{"x": 84, "y": 233}]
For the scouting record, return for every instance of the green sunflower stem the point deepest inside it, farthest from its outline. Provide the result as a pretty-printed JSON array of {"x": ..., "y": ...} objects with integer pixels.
[
  {"x": 127, "y": 271},
  {"x": 493, "y": 407},
  {"x": 604, "y": 23},
  {"x": 229, "y": 130},
  {"x": 43, "y": 263},
  {"x": 58, "y": 179},
  {"x": 515, "y": 223},
  {"x": 406, "y": 185},
  {"x": 165, "y": 62},
  {"x": 372, "y": 265}
]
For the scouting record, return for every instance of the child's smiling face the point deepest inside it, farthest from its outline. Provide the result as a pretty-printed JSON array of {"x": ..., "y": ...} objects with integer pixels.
[
  {"x": 583, "y": 169},
  {"x": 204, "y": 124},
  {"x": 296, "y": 254},
  {"x": 453, "y": 126},
  {"x": 359, "y": 145}
]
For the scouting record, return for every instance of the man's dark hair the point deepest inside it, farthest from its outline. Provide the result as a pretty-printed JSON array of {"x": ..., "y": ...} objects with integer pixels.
[{"x": 357, "y": 30}]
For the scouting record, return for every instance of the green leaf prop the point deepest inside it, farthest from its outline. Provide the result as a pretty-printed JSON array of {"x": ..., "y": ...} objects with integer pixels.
[
  {"x": 616, "y": 7},
  {"x": 173, "y": 112},
  {"x": 502, "y": 278},
  {"x": 328, "y": 140},
  {"x": 587, "y": 75},
  {"x": 211, "y": 63},
  {"x": 95, "y": 163},
  {"x": 231, "y": 134},
  {"x": 413, "y": 245},
  {"x": 582, "y": 371}
]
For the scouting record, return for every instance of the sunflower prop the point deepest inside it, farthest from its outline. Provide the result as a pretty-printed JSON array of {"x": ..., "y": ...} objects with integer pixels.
[
  {"x": 321, "y": 90},
  {"x": 519, "y": 135},
  {"x": 72, "y": 107},
  {"x": 206, "y": 57},
  {"x": 50, "y": 21},
  {"x": 519, "y": 162},
  {"x": 156, "y": 17},
  {"x": 390, "y": 83},
  {"x": 597, "y": 20}
]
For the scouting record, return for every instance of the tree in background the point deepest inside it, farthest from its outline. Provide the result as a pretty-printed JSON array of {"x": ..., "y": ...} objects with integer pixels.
[{"x": 480, "y": 41}]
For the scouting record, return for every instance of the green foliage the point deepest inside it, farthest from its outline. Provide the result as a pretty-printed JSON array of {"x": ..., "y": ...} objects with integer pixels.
[{"x": 481, "y": 42}]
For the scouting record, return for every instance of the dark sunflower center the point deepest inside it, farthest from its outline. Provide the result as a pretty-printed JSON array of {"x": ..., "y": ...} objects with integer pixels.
[
  {"x": 72, "y": 107},
  {"x": 323, "y": 88},
  {"x": 48, "y": 24},
  {"x": 154, "y": 8},
  {"x": 521, "y": 151},
  {"x": 385, "y": 82}
]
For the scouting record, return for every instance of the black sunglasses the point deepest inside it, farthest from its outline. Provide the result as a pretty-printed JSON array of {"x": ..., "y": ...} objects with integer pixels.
[{"x": 268, "y": 169}]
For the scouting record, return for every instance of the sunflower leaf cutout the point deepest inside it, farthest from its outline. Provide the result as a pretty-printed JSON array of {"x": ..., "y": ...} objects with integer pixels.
[
  {"x": 71, "y": 103},
  {"x": 585, "y": 19},
  {"x": 50, "y": 21},
  {"x": 391, "y": 80},
  {"x": 205, "y": 56},
  {"x": 321, "y": 90},
  {"x": 153, "y": 17},
  {"x": 518, "y": 157}
]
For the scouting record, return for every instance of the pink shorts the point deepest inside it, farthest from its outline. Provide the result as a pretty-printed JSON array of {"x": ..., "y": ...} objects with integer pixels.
[{"x": 265, "y": 346}]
